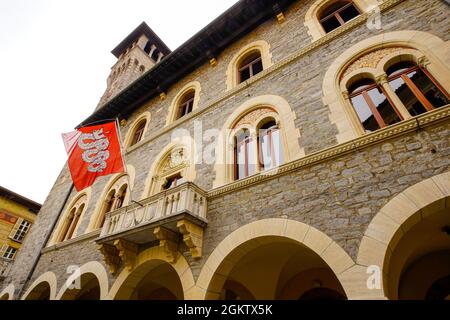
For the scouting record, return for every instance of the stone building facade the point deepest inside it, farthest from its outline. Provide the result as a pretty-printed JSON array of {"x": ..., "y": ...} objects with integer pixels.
[{"x": 349, "y": 198}]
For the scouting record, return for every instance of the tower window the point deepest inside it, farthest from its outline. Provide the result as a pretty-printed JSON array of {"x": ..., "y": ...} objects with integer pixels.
[
  {"x": 155, "y": 55},
  {"x": 338, "y": 14}
]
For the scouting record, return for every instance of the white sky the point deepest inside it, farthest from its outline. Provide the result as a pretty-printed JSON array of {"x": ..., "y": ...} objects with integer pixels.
[{"x": 54, "y": 61}]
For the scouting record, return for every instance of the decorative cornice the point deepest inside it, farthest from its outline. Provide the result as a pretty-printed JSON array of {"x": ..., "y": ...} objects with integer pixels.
[
  {"x": 378, "y": 136},
  {"x": 386, "y": 5},
  {"x": 82, "y": 238}
]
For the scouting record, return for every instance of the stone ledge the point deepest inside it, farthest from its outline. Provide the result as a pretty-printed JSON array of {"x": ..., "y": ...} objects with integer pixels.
[
  {"x": 378, "y": 136},
  {"x": 81, "y": 238}
]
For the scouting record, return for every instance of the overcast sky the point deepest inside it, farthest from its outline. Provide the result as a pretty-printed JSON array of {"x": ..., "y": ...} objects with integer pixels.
[{"x": 55, "y": 58}]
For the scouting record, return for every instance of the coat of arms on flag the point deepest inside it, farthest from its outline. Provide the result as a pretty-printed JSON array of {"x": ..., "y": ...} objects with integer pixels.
[{"x": 93, "y": 151}]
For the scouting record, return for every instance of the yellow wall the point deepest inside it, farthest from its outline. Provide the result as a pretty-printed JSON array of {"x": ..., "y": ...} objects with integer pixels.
[{"x": 13, "y": 208}]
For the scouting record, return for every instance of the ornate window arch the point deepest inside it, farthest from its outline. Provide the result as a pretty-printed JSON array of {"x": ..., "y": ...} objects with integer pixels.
[
  {"x": 184, "y": 102},
  {"x": 323, "y": 16},
  {"x": 174, "y": 166},
  {"x": 67, "y": 227},
  {"x": 116, "y": 194},
  {"x": 257, "y": 136},
  {"x": 250, "y": 60},
  {"x": 137, "y": 130},
  {"x": 386, "y": 79}
]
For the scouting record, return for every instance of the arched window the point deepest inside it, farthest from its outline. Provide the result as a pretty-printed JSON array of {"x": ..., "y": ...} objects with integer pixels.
[
  {"x": 416, "y": 88},
  {"x": 250, "y": 66},
  {"x": 186, "y": 104},
  {"x": 337, "y": 14},
  {"x": 372, "y": 106},
  {"x": 269, "y": 144},
  {"x": 138, "y": 132},
  {"x": 172, "y": 167},
  {"x": 113, "y": 200},
  {"x": 244, "y": 155},
  {"x": 71, "y": 221},
  {"x": 257, "y": 143}
]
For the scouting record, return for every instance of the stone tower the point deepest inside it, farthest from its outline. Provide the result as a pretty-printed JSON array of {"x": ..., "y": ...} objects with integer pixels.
[{"x": 136, "y": 54}]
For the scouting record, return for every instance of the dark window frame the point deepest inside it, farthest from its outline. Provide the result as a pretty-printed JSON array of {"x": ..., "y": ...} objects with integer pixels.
[
  {"x": 138, "y": 133},
  {"x": 364, "y": 92},
  {"x": 413, "y": 87},
  {"x": 250, "y": 66},
  {"x": 337, "y": 14}
]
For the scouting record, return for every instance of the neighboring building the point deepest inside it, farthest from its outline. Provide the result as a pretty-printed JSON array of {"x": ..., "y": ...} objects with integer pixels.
[
  {"x": 17, "y": 215},
  {"x": 329, "y": 180}
]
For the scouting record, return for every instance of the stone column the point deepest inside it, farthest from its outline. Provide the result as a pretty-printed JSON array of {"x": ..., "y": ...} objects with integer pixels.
[{"x": 398, "y": 104}]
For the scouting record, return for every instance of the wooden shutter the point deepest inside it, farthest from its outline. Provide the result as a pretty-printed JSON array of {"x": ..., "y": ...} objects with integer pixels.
[{"x": 15, "y": 228}]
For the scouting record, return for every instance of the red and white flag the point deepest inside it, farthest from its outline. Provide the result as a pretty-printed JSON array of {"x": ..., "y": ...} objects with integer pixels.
[{"x": 93, "y": 152}]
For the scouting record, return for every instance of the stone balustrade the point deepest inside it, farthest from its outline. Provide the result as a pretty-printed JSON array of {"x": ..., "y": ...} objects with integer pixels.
[{"x": 186, "y": 198}]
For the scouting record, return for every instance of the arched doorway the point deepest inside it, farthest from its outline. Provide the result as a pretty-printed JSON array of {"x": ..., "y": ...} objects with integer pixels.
[
  {"x": 278, "y": 268},
  {"x": 41, "y": 292},
  {"x": 409, "y": 240},
  {"x": 275, "y": 259},
  {"x": 152, "y": 280},
  {"x": 419, "y": 267},
  {"x": 89, "y": 289}
]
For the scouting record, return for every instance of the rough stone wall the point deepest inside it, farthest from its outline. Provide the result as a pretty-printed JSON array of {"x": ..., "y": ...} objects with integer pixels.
[{"x": 319, "y": 195}]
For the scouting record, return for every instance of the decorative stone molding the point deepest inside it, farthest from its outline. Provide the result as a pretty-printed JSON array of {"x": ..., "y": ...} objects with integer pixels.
[
  {"x": 128, "y": 280},
  {"x": 370, "y": 60},
  {"x": 397, "y": 216},
  {"x": 127, "y": 252},
  {"x": 7, "y": 293},
  {"x": 312, "y": 23},
  {"x": 146, "y": 116},
  {"x": 250, "y": 112},
  {"x": 116, "y": 182},
  {"x": 218, "y": 265},
  {"x": 177, "y": 157},
  {"x": 79, "y": 200},
  {"x": 92, "y": 268},
  {"x": 232, "y": 70},
  {"x": 173, "y": 109},
  {"x": 192, "y": 237},
  {"x": 48, "y": 278},
  {"x": 383, "y": 51},
  {"x": 110, "y": 256},
  {"x": 168, "y": 240},
  {"x": 401, "y": 128},
  {"x": 308, "y": 49}
]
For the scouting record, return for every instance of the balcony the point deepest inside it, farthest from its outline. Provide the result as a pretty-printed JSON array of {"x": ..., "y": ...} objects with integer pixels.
[
  {"x": 5, "y": 266},
  {"x": 165, "y": 219}
]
